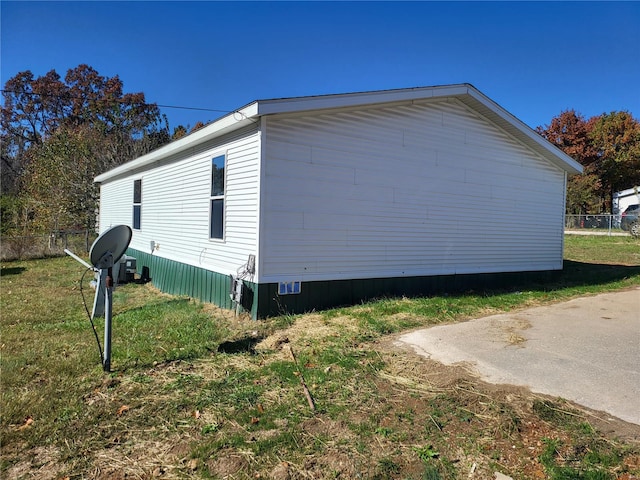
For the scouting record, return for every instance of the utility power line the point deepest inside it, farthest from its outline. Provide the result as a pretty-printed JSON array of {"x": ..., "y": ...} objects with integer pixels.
[{"x": 202, "y": 109}]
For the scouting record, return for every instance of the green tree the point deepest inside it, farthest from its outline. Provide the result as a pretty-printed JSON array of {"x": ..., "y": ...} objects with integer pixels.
[
  {"x": 583, "y": 193},
  {"x": 59, "y": 185},
  {"x": 57, "y": 135},
  {"x": 11, "y": 211},
  {"x": 616, "y": 139}
]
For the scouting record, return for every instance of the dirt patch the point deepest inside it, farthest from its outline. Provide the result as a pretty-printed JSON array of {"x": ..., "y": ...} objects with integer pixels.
[
  {"x": 227, "y": 463},
  {"x": 330, "y": 429},
  {"x": 511, "y": 331},
  {"x": 424, "y": 375},
  {"x": 309, "y": 327},
  {"x": 41, "y": 463},
  {"x": 483, "y": 428},
  {"x": 143, "y": 458},
  {"x": 340, "y": 464}
]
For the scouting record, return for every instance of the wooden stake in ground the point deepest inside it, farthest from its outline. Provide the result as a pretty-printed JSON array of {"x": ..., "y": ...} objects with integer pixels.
[{"x": 304, "y": 384}]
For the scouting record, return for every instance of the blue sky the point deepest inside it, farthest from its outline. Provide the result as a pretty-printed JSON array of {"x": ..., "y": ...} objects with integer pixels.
[{"x": 535, "y": 59}]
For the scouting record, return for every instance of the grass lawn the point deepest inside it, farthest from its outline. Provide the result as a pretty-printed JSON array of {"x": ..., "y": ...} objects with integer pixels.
[{"x": 198, "y": 393}]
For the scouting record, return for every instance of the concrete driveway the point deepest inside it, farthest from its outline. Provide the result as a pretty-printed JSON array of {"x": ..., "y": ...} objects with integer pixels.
[{"x": 585, "y": 350}]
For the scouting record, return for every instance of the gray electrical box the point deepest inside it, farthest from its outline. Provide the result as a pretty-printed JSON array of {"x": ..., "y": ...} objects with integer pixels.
[{"x": 127, "y": 268}]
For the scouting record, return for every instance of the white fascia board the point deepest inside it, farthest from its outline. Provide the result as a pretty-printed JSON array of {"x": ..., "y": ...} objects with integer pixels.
[
  {"x": 523, "y": 132},
  {"x": 321, "y": 102},
  {"x": 228, "y": 123}
]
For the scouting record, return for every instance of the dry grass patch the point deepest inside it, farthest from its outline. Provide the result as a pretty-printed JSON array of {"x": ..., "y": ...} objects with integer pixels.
[{"x": 198, "y": 392}]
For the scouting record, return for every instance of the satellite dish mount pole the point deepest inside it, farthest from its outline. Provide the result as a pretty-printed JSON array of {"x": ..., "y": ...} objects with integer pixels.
[
  {"x": 108, "y": 248},
  {"x": 108, "y": 316},
  {"x": 105, "y": 285}
]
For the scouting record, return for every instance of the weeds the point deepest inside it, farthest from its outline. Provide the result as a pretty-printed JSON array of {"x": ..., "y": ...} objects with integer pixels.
[
  {"x": 387, "y": 468},
  {"x": 571, "y": 467},
  {"x": 426, "y": 453},
  {"x": 555, "y": 413}
]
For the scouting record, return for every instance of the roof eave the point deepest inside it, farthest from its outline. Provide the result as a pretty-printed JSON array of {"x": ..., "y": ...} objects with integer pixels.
[
  {"x": 230, "y": 122},
  {"x": 324, "y": 102},
  {"x": 465, "y": 92},
  {"x": 515, "y": 127}
]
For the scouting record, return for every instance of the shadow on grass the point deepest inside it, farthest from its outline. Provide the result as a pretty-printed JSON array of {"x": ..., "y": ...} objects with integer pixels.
[
  {"x": 576, "y": 277},
  {"x": 12, "y": 271},
  {"x": 581, "y": 274},
  {"x": 573, "y": 275},
  {"x": 244, "y": 345}
]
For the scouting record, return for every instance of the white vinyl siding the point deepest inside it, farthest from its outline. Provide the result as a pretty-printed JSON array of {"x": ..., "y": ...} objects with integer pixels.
[
  {"x": 115, "y": 204},
  {"x": 177, "y": 196},
  {"x": 426, "y": 188}
]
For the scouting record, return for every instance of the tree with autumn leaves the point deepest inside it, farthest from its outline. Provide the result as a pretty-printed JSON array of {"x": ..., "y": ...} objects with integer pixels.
[
  {"x": 607, "y": 146},
  {"x": 57, "y": 134}
]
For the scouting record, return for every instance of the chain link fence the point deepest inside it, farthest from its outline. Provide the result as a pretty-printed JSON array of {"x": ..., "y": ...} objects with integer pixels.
[
  {"x": 41, "y": 246},
  {"x": 605, "y": 224},
  {"x": 53, "y": 245}
]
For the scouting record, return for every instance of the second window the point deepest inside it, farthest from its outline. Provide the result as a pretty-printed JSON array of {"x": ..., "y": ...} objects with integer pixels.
[{"x": 216, "y": 214}]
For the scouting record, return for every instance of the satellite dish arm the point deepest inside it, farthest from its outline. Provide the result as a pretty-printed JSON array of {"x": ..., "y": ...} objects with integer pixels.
[{"x": 71, "y": 254}]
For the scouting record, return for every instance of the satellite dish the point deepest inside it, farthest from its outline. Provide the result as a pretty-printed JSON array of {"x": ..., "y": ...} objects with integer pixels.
[
  {"x": 114, "y": 241},
  {"x": 105, "y": 251}
]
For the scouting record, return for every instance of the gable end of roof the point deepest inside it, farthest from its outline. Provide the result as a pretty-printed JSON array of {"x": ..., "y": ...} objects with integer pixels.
[{"x": 464, "y": 92}]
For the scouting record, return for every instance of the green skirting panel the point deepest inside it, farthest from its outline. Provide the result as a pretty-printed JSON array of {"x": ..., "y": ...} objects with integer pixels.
[
  {"x": 180, "y": 279},
  {"x": 330, "y": 294},
  {"x": 263, "y": 300}
]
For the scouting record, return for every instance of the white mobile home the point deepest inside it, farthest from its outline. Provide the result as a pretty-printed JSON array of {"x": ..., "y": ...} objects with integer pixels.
[
  {"x": 326, "y": 200},
  {"x": 624, "y": 198}
]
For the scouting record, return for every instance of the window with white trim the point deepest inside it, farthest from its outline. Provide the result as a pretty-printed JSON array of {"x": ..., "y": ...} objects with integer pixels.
[
  {"x": 137, "y": 203},
  {"x": 216, "y": 214}
]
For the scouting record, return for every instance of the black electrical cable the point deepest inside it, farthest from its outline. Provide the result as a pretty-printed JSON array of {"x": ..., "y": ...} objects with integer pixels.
[
  {"x": 86, "y": 309},
  {"x": 146, "y": 104},
  {"x": 234, "y": 112}
]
